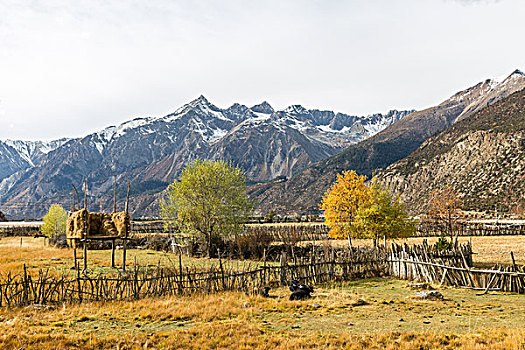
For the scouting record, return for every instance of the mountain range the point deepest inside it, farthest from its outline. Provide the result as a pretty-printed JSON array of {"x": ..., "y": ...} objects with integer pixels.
[
  {"x": 481, "y": 157},
  {"x": 150, "y": 152},
  {"x": 303, "y": 192},
  {"x": 290, "y": 156}
]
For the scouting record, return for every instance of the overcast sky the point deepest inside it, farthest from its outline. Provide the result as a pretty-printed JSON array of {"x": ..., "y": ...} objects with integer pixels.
[{"x": 68, "y": 68}]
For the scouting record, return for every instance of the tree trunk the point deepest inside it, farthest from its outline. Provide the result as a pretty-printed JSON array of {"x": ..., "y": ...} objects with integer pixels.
[
  {"x": 450, "y": 227},
  {"x": 209, "y": 245}
]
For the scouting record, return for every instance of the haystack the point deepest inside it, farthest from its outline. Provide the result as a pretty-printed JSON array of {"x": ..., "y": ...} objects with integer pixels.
[
  {"x": 77, "y": 224},
  {"x": 97, "y": 224}
]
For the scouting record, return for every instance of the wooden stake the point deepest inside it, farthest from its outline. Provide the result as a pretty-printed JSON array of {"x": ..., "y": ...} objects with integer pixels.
[
  {"x": 112, "y": 253},
  {"x": 74, "y": 202},
  {"x": 78, "y": 198},
  {"x": 124, "y": 254},
  {"x": 127, "y": 198},
  {"x": 74, "y": 242},
  {"x": 85, "y": 194},
  {"x": 126, "y": 234},
  {"x": 443, "y": 278},
  {"x": 115, "y": 196},
  {"x": 85, "y": 255},
  {"x": 85, "y": 232}
]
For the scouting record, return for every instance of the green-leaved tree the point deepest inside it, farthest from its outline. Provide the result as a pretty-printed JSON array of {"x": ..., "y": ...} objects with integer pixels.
[
  {"x": 210, "y": 199},
  {"x": 55, "y": 221},
  {"x": 385, "y": 217}
]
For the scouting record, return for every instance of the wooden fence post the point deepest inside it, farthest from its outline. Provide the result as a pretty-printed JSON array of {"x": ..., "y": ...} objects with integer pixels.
[
  {"x": 113, "y": 253},
  {"x": 283, "y": 268}
]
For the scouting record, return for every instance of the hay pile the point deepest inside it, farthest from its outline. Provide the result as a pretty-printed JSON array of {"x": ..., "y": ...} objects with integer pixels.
[
  {"x": 77, "y": 224},
  {"x": 97, "y": 224}
]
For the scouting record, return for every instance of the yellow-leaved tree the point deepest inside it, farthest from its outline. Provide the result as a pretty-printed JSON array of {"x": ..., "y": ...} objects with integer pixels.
[
  {"x": 354, "y": 210},
  {"x": 341, "y": 202},
  {"x": 384, "y": 218}
]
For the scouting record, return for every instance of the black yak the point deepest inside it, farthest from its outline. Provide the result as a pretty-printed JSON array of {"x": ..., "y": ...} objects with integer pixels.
[{"x": 300, "y": 291}]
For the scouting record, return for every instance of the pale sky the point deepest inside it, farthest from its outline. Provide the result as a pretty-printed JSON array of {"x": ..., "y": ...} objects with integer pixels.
[{"x": 69, "y": 68}]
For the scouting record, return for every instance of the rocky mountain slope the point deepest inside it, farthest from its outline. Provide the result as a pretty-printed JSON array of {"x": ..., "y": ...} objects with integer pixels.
[
  {"x": 482, "y": 157},
  {"x": 16, "y": 155},
  {"x": 150, "y": 152},
  {"x": 302, "y": 193}
]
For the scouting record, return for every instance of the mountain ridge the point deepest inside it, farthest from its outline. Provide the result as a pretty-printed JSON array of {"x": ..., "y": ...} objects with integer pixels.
[
  {"x": 150, "y": 152},
  {"x": 302, "y": 193},
  {"x": 481, "y": 157}
]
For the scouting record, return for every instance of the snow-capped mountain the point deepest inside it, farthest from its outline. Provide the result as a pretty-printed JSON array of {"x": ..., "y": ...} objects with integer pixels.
[
  {"x": 302, "y": 193},
  {"x": 151, "y": 152},
  {"x": 493, "y": 90},
  {"x": 16, "y": 155}
]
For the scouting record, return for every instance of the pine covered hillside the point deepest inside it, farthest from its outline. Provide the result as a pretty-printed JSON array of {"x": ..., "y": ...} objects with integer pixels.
[
  {"x": 302, "y": 193},
  {"x": 482, "y": 157}
]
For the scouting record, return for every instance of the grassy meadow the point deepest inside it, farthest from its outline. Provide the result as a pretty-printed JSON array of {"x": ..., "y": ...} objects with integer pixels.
[
  {"x": 362, "y": 314},
  {"x": 35, "y": 255}
]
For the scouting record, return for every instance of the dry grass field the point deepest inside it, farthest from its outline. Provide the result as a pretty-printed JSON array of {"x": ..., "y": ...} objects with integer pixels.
[
  {"x": 488, "y": 250},
  {"x": 36, "y": 255},
  {"x": 362, "y": 314}
]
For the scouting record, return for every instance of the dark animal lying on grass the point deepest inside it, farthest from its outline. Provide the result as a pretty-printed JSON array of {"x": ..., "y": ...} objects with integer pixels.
[
  {"x": 300, "y": 291},
  {"x": 263, "y": 291}
]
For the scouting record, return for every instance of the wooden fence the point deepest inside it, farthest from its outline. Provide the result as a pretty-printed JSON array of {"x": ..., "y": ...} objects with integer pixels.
[
  {"x": 432, "y": 228},
  {"x": 421, "y": 263},
  {"x": 417, "y": 263},
  {"x": 140, "y": 281},
  {"x": 19, "y": 229},
  {"x": 291, "y": 234}
]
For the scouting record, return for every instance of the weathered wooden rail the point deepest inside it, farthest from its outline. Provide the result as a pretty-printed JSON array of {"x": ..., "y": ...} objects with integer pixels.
[
  {"x": 290, "y": 234},
  {"x": 417, "y": 263},
  {"x": 21, "y": 229},
  {"x": 420, "y": 263},
  {"x": 430, "y": 228},
  {"x": 140, "y": 282}
]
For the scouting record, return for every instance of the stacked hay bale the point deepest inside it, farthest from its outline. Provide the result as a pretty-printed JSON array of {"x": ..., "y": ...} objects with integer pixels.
[{"x": 114, "y": 225}]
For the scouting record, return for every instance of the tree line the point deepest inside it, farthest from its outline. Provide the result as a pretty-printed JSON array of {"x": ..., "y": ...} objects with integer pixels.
[{"x": 209, "y": 200}]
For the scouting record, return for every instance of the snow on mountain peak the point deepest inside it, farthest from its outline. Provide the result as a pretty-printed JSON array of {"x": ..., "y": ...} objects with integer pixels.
[
  {"x": 517, "y": 74},
  {"x": 200, "y": 105},
  {"x": 296, "y": 109},
  {"x": 30, "y": 150},
  {"x": 201, "y": 100},
  {"x": 263, "y": 107},
  {"x": 113, "y": 132},
  {"x": 504, "y": 79}
]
